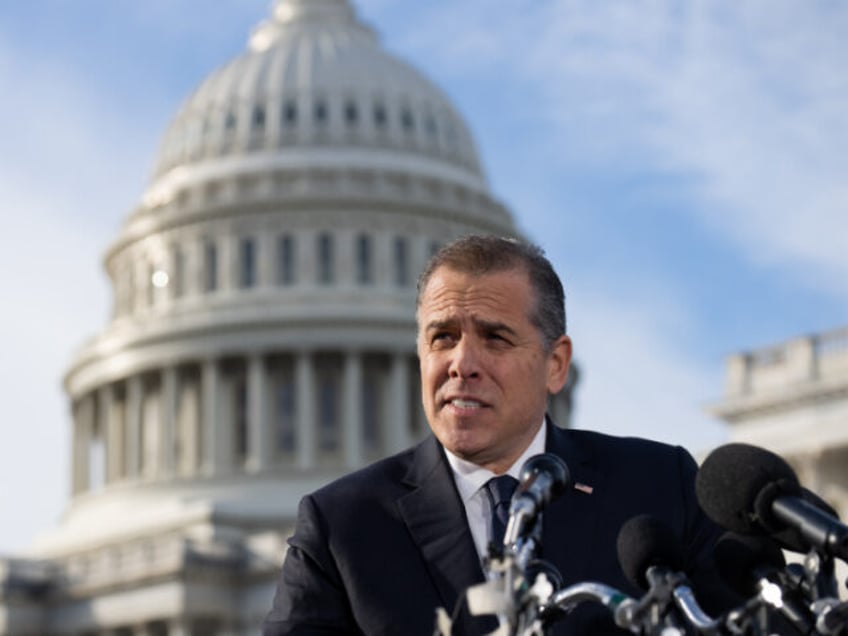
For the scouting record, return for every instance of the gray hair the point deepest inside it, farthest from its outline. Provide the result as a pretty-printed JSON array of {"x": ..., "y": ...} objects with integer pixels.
[{"x": 481, "y": 254}]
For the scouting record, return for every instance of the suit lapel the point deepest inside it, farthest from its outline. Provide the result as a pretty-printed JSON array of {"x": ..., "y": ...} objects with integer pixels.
[
  {"x": 569, "y": 524},
  {"x": 435, "y": 517}
]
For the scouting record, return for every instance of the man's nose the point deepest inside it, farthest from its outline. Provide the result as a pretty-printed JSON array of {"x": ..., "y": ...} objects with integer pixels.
[{"x": 465, "y": 361}]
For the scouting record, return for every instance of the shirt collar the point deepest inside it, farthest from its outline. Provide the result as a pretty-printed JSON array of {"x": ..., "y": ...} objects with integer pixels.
[{"x": 470, "y": 477}]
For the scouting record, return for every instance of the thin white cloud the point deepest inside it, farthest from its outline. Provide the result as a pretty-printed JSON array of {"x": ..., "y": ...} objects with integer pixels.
[
  {"x": 637, "y": 382},
  {"x": 747, "y": 101}
]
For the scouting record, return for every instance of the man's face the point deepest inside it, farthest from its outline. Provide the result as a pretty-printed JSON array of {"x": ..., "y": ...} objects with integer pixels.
[{"x": 485, "y": 375}]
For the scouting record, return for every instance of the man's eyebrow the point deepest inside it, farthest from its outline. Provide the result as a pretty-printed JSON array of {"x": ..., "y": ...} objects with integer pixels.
[
  {"x": 435, "y": 325},
  {"x": 488, "y": 325}
]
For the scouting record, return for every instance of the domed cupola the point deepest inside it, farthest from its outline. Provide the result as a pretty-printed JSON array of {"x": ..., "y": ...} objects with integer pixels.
[{"x": 314, "y": 80}]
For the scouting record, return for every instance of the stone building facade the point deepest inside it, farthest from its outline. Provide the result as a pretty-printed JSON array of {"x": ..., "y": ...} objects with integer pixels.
[
  {"x": 263, "y": 334},
  {"x": 792, "y": 398}
]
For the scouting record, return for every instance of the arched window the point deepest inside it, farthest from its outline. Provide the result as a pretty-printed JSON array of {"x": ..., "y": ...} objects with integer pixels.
[
  {"x": 401, "y": 261},
  {"x": 407, "y": 121},
  {"x": 380, "y": 116},
  {"x": 364, "y": 266},
  {"x": 321, "y": 113},
  {"x": 351, "y": 114},
  {"x": 230, "y": 121},
  {"x": 286, "y": 260},
  {"x": 290, "y": 114},
  {"x": 258, "y": 119},
  {"x": 247, "y": 263},
  {"x": 326, "y": 258}
]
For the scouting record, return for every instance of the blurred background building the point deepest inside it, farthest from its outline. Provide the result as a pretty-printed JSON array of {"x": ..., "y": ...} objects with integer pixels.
[
  {"x": 792, "y": 398},
  {"x": 263, "y": 333}
]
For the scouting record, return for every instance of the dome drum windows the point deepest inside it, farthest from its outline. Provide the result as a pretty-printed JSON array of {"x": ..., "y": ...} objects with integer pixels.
[
  {"x": 289, "y": 114},
  {"x": 247, "y": 276},
  {"x": 326, "y": 259},
  {"x": 407, "y": 121},
  {"x": 286, "y": 260},
  {"x": 351, "y": 114},
  {"x": 401, "y": 261},
  {"x": 320, "y": 112},
  {"x": 257, "y": 120},
  {"x": 381, "y": 118},
  {"x": 364, "y": 260}
]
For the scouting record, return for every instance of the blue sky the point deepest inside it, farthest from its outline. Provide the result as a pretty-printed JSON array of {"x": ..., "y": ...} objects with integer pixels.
[{"x": 683, "y": 163}]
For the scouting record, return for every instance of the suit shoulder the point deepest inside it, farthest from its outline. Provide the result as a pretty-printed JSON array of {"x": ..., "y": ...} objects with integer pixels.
[
  {"x": 615, "y": 448},
  {"x": 377, "y": 479}
]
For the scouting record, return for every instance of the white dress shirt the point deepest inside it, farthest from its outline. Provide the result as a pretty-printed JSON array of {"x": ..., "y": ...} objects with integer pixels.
[{"x": 470, "y": 482}]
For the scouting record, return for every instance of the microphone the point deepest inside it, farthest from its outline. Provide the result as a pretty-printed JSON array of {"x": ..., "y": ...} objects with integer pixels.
[
  {"x": 754, "y": 567},
  {"x": 543, "y": 477},
  {"x": 651, "y": 557},
  {"x": 645, "y": 544},
  {"x": 750, "y": 490}
]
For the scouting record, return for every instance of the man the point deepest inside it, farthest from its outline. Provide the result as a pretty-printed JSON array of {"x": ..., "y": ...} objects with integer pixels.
[{"x": 378, "y": 551}]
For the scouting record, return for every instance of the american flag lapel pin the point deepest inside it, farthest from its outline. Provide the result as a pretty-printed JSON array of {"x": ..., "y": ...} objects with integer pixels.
[{"x": 584, "y": 488}]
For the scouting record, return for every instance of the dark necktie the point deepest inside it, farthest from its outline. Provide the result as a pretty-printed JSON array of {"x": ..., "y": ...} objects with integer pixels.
[{"x": 500, "y": 490}]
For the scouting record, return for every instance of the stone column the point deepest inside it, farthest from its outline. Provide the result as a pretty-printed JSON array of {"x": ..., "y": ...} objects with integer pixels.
[
  {"x": 179, "y": 627},
  {"x": 83, "y": 414},
  {"x": 228, "y": 256},
  {"x": 133, "y": 415},
  {"x": 266, "y": 259},
  {"x": 352, "y": 410},
  {"x": 305, "y": 405},
  {"x": 188, "y": 425},
  {"x": 399, "y": 424},
  {"x": 258, "y": 443},
  {"x": 168, "y": 441},
  {"x": 112, "y": 433},
  {"x": 210, "y": 385}
]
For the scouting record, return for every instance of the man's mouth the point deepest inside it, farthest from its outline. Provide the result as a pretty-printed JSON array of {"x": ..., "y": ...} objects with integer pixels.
[{"x": 465, "y": 403}]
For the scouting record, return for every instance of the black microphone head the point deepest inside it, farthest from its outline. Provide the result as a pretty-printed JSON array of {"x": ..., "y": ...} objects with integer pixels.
[
  {"x": 741, "y": 560},
  {"x": 737, "y": 483},
  {"x": 551, "y": 466},
  {"x": 645, "y": 541}
]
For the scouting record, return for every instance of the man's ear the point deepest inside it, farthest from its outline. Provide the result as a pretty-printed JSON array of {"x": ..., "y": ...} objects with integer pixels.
[{"x": 559, "y": 360}]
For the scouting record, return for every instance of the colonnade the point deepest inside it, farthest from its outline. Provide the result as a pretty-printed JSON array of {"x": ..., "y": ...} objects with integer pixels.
[{"x": 249, "y": 413}]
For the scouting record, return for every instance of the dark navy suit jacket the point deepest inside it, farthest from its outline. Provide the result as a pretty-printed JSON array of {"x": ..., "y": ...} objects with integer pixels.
[{"x": 378, "y": 550}]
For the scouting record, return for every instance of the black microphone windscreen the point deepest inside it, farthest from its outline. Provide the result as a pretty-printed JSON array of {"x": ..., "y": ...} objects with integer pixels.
[
  {"x": 737, "y": 483},
  {"x": 547, "y": 464},
  {"x": 645, "y": 541},
  {"x": 740, "y": 559}
]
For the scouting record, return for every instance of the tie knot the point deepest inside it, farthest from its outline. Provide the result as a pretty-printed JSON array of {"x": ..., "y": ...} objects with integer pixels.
[{"x": 501, "y": 489}]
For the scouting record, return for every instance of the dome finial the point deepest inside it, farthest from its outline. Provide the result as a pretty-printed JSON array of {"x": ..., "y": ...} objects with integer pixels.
[
  {"x": 290, "y": 10},
  {"x": 287, "y": 13}
]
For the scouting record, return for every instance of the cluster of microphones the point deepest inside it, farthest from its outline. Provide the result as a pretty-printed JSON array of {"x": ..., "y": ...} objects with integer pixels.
[{"x": 751, "y": 492}]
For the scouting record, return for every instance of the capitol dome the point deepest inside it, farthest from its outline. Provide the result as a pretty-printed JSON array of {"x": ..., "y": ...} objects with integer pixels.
[{"x": 262, "y": 340}]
